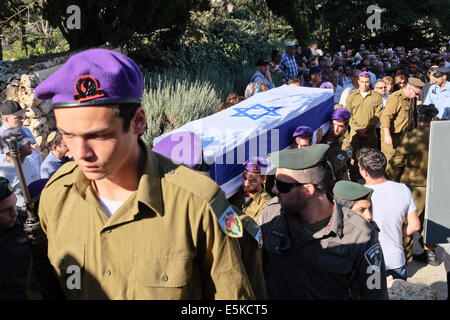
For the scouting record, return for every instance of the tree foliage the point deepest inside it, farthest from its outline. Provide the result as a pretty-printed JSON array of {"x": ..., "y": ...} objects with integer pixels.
[
  {"x": 414, "y": 23},
  {"x": 117, "y": 21}
]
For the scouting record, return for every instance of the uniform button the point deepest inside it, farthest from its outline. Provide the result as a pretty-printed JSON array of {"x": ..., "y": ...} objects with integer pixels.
[
  {"x": 165, "y": 278},
  {"x": 107, "y": 272}
]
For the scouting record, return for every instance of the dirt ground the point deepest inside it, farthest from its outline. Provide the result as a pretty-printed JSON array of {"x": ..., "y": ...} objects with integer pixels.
[{"x": 422, "y": 273}]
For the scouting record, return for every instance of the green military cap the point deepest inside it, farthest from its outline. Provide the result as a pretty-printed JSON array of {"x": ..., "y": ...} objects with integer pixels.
[
  {"x": 416, "y": 83},
  {"x": 5, "y": 188},
  {"x": 348, "y": 190},
  {"x": 299, "y": 159}
]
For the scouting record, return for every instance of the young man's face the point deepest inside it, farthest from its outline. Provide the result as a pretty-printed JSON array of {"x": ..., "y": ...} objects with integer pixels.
[
  {"x": 13, "y": 121},
  {"x": 364, "y": 84},
  {"x": 97, "y": 140},
  {"x": 8, "y": 212},
  {"x": 302, "y": 142},
  {"x": 251, "y": 182},
  {"x": 364, "y": 209},
  {"x": 338, "y": 128}
]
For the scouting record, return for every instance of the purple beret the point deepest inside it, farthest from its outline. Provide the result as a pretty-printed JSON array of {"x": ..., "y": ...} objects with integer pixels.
[
  {"x": 341, "y": 114},
  {"x": 256, "y": 165},
  {"x": 182, "y": 147},
  {"x": 93, "y": 77},
  {"x": 35, "y": 188},
  {"x": 303, "y": 132}
]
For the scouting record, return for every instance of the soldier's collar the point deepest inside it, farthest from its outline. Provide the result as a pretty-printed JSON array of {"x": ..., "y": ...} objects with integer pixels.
[
  {"x": 335, "y": 225},
  {"x": 149, "y": 188}
]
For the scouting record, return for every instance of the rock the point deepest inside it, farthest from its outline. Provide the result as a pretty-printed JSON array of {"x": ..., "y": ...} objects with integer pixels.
[
  {"x": 15, "y": 82},
  {"x": 45, "y": 129},
  {"x": 43, "y": 74},
  {"x": 28, "y": 100},
  {"x": 402, "y": 290},
  {"x": 42, "y": 121},
  {"x": 28, "y": 81},
  {"x": 35, "y": 123},
  {"x": 33, "y": 112},
  {"x": 10, "y": 93},
  {"x": 46, "y": 106}
]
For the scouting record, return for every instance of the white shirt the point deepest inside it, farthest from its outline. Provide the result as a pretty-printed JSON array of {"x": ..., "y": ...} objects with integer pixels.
[
  {"x": 391, "y": 202},
  {"x": 110, "y": 206},
  {"x": 345, "y": 94}
]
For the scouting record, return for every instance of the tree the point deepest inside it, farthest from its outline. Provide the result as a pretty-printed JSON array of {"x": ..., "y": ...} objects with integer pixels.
[
  {"x": 414, "y": 23},
  {"x": 117, "y": 21}
]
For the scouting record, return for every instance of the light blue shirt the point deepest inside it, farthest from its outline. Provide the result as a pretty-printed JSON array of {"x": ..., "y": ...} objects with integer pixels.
[
  {"x": 259, "y": 77},
  {"x": 27, "y": 131},
  {"x": 50, "y": 165},
  {"x": 439, "y": 97}
]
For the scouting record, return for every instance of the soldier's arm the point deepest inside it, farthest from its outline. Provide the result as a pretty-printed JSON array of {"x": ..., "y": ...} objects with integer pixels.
[
  {"x": 378, "y": 111},
  {"x": 389, "y": 112},
  {"x": 397, "y": 163},
  {"x": 371, "y": 270},
  {"x": 225, "y": 277},
  {"x": 349, "y": 107}
]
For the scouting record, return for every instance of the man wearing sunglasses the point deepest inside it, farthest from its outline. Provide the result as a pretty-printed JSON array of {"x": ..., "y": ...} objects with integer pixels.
[{"x": 315, "y": 248}]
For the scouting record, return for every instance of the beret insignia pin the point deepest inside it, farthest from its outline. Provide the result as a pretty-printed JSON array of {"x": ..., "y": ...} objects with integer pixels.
[{"x": 87, "y": 88}]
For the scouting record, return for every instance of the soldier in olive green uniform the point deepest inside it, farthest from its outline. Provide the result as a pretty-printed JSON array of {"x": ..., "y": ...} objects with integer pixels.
[
  {"x": 132, "y": 223},
  {"x": 398, "y": 116},
  {"x": 365, "y": 106},
  {"x": 317, "y": 249},
  {"x": 409, "y": 165},
  {"x": 251, "y": 240},
  {"x": 251, "y": 197},
  {"x": 338, "y": 156},
  {"x": 14, "y": 249}
]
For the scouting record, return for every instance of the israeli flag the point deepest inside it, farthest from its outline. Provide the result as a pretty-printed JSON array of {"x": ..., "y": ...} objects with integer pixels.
[{"x": 257, "y": 126}]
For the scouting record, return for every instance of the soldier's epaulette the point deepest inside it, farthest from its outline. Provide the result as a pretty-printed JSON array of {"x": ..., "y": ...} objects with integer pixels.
[
  {"x": 191, "y": 180},
  {"x": 63, "y": 171},
  {"x": 252, "y": 228}
]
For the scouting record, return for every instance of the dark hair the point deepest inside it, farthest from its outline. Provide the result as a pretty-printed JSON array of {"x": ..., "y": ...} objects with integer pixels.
[
  {"x": 274, "y": 53},
  {"x": 126, "y": 111},
  {"x": 294, "y": 80},
  {"x": 320, "y": 176},
  {"x": 373, "y": 161}
]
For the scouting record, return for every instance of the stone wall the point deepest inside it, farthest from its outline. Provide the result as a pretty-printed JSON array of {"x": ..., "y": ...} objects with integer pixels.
[{"x": 18, "y": 79}]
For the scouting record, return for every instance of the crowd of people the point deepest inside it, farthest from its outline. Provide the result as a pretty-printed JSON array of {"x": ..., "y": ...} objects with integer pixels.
[{"x": 332, "y": 221}]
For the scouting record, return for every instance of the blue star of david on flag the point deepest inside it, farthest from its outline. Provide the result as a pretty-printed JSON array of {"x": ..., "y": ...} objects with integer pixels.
[{"x": 261, "y": 111}]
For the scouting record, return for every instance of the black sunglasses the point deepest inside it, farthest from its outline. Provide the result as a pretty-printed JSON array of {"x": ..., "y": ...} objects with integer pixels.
[{"x": 285, "y": 187}]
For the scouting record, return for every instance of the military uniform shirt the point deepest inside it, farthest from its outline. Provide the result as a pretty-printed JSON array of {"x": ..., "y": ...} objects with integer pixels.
[
  {"x": 398, "y": 115},
  {"x": 336, "y": 262},
  {"x": 365, "y": 111},
  {"x": 253, "y": 206},
  {"x": 164, "y": 242},
  {"x": 409, "y": 164}
]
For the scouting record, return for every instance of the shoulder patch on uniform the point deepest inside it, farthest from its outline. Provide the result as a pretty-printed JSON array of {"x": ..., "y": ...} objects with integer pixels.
[
  {"x": 230, "y": 223},
  {"x": 64, "y": 170},
  {"x": 340, "y": 157},
  {"x": 373, "y": 256}
]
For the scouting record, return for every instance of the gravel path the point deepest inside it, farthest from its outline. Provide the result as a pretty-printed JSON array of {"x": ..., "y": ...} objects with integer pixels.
[{"x": 422, "y": 273}]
